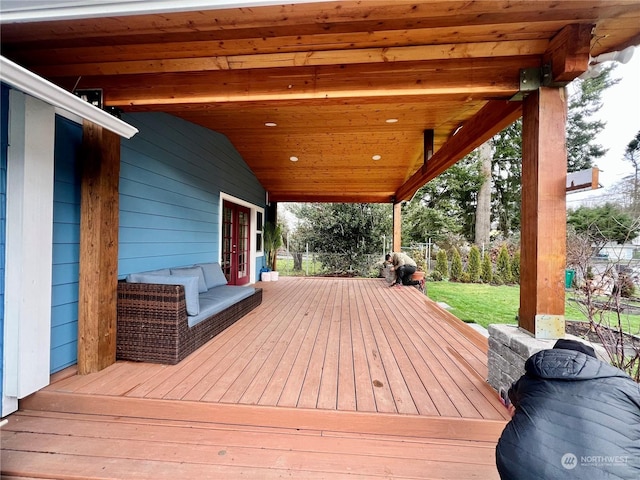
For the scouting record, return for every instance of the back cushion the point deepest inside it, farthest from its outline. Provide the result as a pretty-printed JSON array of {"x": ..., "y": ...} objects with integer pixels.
[
  {"x": 213, "y": 275},
  {"x": 192, "y": 272},
  {"x": 162, "y": 271},
  {"x": 190, "y": 287}
]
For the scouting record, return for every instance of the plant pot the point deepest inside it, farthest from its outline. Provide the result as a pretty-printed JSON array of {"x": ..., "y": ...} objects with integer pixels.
[
  {"x": 418, "y": 275},
  {"x": 265, "y": 276}
]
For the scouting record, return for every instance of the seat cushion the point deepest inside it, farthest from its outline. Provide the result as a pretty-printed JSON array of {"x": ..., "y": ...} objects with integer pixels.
[{"x": 217, "y": 299}]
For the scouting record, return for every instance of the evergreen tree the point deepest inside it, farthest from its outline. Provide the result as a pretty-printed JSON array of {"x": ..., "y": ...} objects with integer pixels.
[
  {"x": 582, "y": 130},
  {"x": 487, "y": 269},
  {"x": 442, "y": 264},
  {"x": 515, "y": 266},
  {"x": 604, "y": 223},
  {"x": 445, "y": 205},
  {"x": 473, "y": 267},
  {"x": 456, "y": 266},
  {"x": 503, "y": 267}
]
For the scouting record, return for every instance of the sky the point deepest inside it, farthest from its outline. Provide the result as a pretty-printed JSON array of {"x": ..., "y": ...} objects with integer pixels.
[{"x": 621, "y": 112}]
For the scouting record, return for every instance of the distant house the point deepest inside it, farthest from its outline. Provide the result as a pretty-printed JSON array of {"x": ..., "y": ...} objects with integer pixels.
[{"x": 620, "y": 252}]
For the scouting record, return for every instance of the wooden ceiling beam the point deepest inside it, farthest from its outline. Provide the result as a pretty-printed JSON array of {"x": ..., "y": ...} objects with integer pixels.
[
  {"x": 568, "y": 53},
  {"x": 299, "y": 59},
  {"x": 488, "y": 78},
  {"x": 495, "y": 116},
  {"x": 329, "y": 197},
  {"x": 226, "y": 44}
]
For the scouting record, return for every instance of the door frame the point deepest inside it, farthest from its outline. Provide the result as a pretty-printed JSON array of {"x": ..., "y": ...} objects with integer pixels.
[{"x": 255, "y": 251}]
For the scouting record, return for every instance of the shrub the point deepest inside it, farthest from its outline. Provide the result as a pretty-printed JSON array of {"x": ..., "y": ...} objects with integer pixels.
[
  {"x": 436, "y": 276},
  {"x": 503, "y": 268},
  {"x": 442, "y": 264},
  {"x": 515, "y": 267},
  {"x": 456, "y": 266},
  {"x": 487, "y": 269},
  {"x": 474, "y": 265},
  {"x": 625, "y": 286},
  {"x": 465, "y": 278}
]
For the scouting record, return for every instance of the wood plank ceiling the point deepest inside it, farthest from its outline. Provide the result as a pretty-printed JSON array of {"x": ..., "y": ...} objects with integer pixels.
[{"x": 342, "y": 80}]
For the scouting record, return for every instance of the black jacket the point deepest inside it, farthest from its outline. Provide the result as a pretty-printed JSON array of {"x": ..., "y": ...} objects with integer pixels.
[{"x": 576, "y": 418}]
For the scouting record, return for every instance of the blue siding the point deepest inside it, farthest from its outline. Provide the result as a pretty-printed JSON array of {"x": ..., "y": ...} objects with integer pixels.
[
  {"x": 171, "y": 176},
  {"x": 4, "y": 142},
  {"x": 66, "y": 245}
]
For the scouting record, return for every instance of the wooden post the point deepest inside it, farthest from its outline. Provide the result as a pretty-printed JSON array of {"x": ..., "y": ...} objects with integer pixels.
[
  {"x": 397, "y": 227},
  {"x": 543, "y": 250},
  {"x": 98, "y": 249}
]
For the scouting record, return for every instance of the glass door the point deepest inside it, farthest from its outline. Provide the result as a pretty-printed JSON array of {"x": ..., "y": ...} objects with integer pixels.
[{"x": 235, "y": 243}]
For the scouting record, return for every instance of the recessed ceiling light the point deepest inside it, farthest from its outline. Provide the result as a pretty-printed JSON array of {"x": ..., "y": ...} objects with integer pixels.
[
  {"x": 293, "y": 159},
  {"x": 376, "y": 157},
  {"x": 391, "y": 120},
  {"x": 270, "y": 124}
]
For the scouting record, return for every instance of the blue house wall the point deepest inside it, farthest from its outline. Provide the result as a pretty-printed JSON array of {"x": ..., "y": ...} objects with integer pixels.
[
  {"x": 66, "y": 245},
  {"x": 171, "y": 176},
  {"x": 4, "y": 142}
]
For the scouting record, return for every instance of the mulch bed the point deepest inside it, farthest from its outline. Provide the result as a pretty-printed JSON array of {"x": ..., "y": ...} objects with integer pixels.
[{"x": 583, "y": 330}]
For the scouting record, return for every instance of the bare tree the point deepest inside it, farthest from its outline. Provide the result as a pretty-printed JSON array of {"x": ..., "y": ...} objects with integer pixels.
[{"x": 632, "y": 154}]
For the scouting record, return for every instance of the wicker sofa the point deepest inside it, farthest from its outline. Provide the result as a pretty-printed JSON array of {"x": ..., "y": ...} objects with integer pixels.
[{"x": 165, "y": 315}]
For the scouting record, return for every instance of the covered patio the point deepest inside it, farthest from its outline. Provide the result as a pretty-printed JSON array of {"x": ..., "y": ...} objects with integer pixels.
[{"x": 328, "y": 378}]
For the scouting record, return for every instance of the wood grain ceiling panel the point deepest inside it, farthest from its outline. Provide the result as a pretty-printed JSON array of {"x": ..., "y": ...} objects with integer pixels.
[{"x": 329, "y": 74}]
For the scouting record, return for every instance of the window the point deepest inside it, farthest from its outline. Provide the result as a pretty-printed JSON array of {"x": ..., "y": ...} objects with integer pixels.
[{"x": 259, "y": 227}]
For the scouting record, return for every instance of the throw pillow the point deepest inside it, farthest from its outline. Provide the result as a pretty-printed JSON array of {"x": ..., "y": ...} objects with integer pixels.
[
  {"x": 213, "y": 275},
  {"x": 192, "y": 272}
]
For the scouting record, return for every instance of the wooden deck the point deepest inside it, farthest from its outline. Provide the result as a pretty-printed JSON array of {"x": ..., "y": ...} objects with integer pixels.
[{"x": 328, "y": 378}]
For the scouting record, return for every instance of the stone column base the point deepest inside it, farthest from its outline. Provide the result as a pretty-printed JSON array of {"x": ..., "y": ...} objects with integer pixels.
[{"x": 509, "y": 348}]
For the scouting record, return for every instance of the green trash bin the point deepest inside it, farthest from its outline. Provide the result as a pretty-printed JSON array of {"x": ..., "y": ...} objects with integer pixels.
[{"x": 569, "y": 275}]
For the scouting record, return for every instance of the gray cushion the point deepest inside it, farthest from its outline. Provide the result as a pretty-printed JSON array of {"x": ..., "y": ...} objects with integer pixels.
[
  {"x": 162, "y": 271},
  {"x": 219, "y": 298},
  {"x": 190, "y": 287},
  {"x": 195, "y": 271},
  {"x": 213, "y": 275}
]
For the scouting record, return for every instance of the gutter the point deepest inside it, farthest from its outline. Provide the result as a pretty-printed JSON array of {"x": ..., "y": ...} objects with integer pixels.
[{"x": 28, "y": 82}]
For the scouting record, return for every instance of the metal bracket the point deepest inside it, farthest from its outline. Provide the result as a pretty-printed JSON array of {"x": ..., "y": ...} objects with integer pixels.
[{"x": 530, "y": 81}]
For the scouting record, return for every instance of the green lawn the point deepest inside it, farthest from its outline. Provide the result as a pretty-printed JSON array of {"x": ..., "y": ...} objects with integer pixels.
[{"x": 485, "y": 304}]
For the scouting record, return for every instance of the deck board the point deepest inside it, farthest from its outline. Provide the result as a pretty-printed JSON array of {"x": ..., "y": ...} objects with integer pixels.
[{"x": 328, "y": 378}]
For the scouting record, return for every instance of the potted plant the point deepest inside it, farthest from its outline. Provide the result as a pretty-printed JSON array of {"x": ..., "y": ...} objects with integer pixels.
[{"x": 272, "y": 242}]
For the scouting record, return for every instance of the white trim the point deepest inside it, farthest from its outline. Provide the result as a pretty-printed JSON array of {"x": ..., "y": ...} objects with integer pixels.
[
  {"x": 29, "y": 235},
  {"x": 22, "y": 11},
  {"x": 30, "y": 83}
]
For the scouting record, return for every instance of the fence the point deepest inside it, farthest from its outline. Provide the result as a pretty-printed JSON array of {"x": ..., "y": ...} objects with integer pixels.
[{"x": 334, "y": 264}]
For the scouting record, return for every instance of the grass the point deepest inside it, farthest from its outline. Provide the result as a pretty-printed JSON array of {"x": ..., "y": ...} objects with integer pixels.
[{"x": 486, "y": 304}]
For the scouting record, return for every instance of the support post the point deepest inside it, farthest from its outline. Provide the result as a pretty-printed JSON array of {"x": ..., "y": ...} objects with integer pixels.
[
  {"x": 397, "y": 227},
  {"x": 543, "y": 250},
  {"x": 98, "y": 249}
]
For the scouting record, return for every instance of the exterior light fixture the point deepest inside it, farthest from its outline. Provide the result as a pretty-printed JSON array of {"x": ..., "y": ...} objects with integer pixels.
[
  {"x": 391, "y": 120},
  {"x": 270, "y": 124},
  {"x": 376, "y": 157},
  {"x": 293, "y": 158}
]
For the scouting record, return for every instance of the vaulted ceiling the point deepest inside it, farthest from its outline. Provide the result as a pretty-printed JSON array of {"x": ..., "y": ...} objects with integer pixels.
[{"x": 354, "y": 88}]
